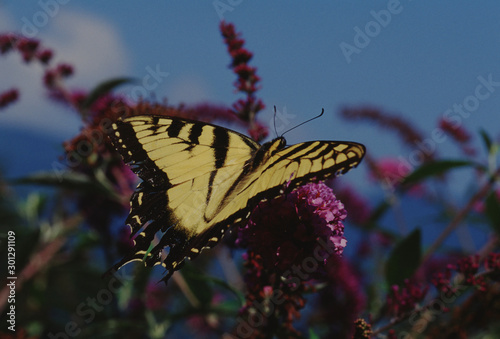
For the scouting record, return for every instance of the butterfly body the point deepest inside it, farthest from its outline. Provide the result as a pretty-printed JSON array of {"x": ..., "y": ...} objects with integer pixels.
[{"x": 199, "y": 179}]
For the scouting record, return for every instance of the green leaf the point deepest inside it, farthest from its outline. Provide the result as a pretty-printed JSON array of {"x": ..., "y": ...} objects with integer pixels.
[
  {"x": 378, "y": 213},
  {"x": 404, "y": 259},
  {"x": 102, "y": 89},
  {"x": 435, "y": 168},
  {"x": 72, "y": 181},
  {"x": 312, "y": 334},
  {"x": 198, "y": 285},
  {"x": 486, "y": 139},
  {"x": 191, "y": 274},
  {"x": 224, "y": 284},
  {"x": 492, "y": 206},
  {"x": 33, "y": 207}
]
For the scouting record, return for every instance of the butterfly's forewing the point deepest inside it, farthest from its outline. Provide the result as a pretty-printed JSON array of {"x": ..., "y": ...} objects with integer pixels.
[
  {"x": 300, "y": 163},
  {"x": 184, "y": 166},
  {"x": 274, "y": 167}
]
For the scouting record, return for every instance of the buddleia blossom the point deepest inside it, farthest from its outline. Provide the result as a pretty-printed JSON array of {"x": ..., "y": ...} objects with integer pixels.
[
  {"x": 405, "y": 298},
  {"x": 492, "y": 263},
  {"x": 246, "y": 109},
  {"x": 459, "y": 134},
  {"x": 390, "y": 172},
  {"x": 456, "y": 131},
  {"x": 8, "y": 97},
  {"x": 395, "y": 123},
  {"x": 387, "y": 170},
  {"x": 28, "y": 48},
  {"x": 474, "y": 272},
  {"x": 300, "y": 218},
  {"x": 341, "y": 301},
  {"x": 478, "y": 309},
  {"x": 288, "y": 242},
  {"x": 442, "y": 282},
  {"x": 54, "y": 75}
]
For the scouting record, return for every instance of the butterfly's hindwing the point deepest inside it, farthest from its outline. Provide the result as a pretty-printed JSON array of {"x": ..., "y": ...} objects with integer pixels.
[{"x": 199, "y": 179}]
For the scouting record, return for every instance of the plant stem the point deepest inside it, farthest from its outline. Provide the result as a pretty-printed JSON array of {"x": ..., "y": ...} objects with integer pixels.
[{"x": 455, "y": 222}]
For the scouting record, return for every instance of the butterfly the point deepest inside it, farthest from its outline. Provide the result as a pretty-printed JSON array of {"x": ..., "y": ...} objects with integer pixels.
[{"x": 198, "y": 179}]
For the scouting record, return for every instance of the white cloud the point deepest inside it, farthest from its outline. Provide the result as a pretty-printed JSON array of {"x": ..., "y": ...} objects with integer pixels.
[
  {"x": 90, "y": 44},
  {"x": 188, "y": 89}
]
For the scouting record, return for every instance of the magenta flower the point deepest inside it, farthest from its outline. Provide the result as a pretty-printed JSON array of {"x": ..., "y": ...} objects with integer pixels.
[
  {"x": 7, "y": 42},
  {"x": 247, "y": 108},
  {"x": 8, "y": 97},
  {"x": 492, "y": 263},
  {"x": 390, "y": 172},
  {"x": 28, "y": 48},
  {"x": 442, "y": 282},
  {"x": 457, "y": 132},
  {"x": 53, "y": 75},
  {"x": 44, "y": 56},
  {"x": 286, "y": 230},
  {"x": 469, "y": 267},
  {"x": 342, "y": 300},
  {"x": 395, "y": 123},
  {"x": 402, "y": 299}
]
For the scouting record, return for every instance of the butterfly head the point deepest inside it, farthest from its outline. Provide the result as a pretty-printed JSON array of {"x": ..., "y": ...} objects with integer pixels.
[
  {"x": 267, "y": 150},
  {"x": 276, "y": 145}
]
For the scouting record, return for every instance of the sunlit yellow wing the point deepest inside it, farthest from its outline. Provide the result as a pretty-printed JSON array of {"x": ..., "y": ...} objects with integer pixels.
[{"x": 199, "y": 179}]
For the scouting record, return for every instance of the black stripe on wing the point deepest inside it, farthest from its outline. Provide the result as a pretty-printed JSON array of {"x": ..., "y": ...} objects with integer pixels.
[
  {"x": 174, "y": 129},
  {"x": 149, "y": 211},
  {"x": 194, "y": 133},
  {"x": 287, "y": 157},
  {"x": 125, "y": 141}
]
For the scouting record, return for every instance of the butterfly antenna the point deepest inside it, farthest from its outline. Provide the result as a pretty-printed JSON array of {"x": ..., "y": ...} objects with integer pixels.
[
  {"x": 305, "y": 122},
  {"x": 275, "y": 130}
]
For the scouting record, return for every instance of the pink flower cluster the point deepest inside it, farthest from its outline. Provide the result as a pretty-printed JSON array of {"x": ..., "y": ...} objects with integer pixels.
[
  {"x": 289, "y": 241},
  {"x": 29, "y": 48},
  {"x": 402, "y": 299},
  {"x": 247, "y": 108},
  {"x": 469, "y": 268},
  {"x": 285, "y": 230},
  {"x": 8, "y": 97}
]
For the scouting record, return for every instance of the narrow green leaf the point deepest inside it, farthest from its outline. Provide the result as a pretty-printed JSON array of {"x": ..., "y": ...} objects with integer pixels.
[
  {"x": 312, "y": 334},
  {"x": 435, "y": 168},
  {"x": 195, "y": 275},
  {"x": 198, "y": 286},
  {"x": 69, "y": 180},
  {"x": 33, "y": 207},
  {"x": 486, "y": 139},
  {"x": 104, "y": 88},
  {"x": 492, "y": 206},
  {"x": 66, "y": 180},
  {"x": 404, "y": 259},
  {"x": 227, "y": 286},
  {"x": 378, "y": 213}
]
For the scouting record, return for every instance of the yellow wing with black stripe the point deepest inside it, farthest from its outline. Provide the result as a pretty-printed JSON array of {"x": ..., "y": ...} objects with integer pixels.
[{"x": 199, "y": 179}]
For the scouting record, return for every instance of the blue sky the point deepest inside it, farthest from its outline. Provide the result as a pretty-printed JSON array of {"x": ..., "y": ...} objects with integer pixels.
[{"x": 419, "y": 62}]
